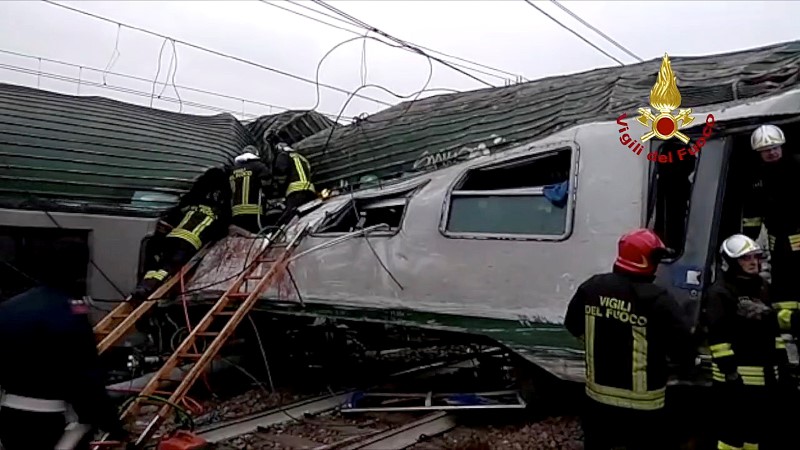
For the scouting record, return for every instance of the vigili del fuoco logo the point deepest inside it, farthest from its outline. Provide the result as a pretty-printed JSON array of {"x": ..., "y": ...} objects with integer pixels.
[{"x": 665, "y": 98}]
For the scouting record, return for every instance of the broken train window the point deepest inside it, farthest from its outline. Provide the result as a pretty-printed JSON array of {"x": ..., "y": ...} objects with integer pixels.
[
  {"x": 523, "y": 197},
  {"x": 360, "y": 213}
]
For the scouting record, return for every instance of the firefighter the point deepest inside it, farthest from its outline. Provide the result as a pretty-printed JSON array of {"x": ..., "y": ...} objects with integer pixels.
[
  {"x": 629, "y": 327},
  {"x": 249, "y": 179},
  {"x": 746, "y": 346},
  {"x": 773, "y": 201},
  {"x": 50, "y": 372},
  {"x": 292, "y": 175},
  {"x": 206, "y": 213}
]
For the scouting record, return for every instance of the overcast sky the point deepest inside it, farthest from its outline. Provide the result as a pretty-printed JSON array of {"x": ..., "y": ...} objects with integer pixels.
[{"x": 508, "y": 35}]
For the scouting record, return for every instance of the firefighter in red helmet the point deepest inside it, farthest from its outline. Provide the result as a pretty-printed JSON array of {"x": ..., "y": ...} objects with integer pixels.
[{"x": 629, "y": 327}]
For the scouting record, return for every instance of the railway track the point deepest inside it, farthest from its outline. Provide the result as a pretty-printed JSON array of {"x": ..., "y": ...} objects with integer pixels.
[{"x": 334, "y": 431}]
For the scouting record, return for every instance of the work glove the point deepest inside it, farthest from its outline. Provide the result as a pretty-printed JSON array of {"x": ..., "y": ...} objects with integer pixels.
[{"x": 754, "y": 310}]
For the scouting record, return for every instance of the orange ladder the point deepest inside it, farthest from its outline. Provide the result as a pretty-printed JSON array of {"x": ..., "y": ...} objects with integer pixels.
[
  {"x": 120, "y": 321},
  {"x": 231, "y": 308}
]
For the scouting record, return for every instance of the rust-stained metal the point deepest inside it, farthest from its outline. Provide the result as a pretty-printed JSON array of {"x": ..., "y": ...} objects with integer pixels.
[{"x": 224, "y": 262}]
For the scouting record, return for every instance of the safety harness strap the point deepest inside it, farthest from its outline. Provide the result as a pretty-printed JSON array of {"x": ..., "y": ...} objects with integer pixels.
[{"x": 40, "y": 405}]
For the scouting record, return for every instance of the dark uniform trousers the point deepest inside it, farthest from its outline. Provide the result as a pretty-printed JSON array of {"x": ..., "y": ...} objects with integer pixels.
[
  {"x": 16, "y": 426},
  {"x": 607, "y": 427},
  {"x": 180, "y": 245},
  {"x": 745, "y": 416}
]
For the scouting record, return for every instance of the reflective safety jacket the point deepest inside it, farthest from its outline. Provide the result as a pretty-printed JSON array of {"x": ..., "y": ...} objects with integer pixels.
[
  {"x": 292, "y": 173},
  {"x": 629, "y": 327},
  {"x": 49, "y": 358},
  {"x": 772, "y": 201},
  {"x": 743, "y": 333},
  {"x": 248, "y": 181},
  {"x": 201, "y": 225}
]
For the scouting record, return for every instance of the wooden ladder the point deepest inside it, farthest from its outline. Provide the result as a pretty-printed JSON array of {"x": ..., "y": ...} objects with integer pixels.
[
  {"x": 231, "y": 308},
  {"x": 121, "y": 320}
]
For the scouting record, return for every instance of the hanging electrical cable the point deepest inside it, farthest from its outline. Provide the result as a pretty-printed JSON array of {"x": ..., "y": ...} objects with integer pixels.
[
  {"x": 399, "y": 41},
  {"x": 211, "y": 51},
  {"x": 573, "y": 32},
  {"x": 323, "y": 13}
]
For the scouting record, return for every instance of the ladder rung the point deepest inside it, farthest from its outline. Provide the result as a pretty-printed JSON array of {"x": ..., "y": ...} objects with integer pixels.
[
  {"x": 225, "y": 313},
  {"x": 207, "y": 334},
  {"x": 190, "y": 355},
  {"x": 120, "y": 317},
  {"x": 239, "y": 294},
  {"x": 254, "y": 277},
  {"x": 102, "y": 332}
]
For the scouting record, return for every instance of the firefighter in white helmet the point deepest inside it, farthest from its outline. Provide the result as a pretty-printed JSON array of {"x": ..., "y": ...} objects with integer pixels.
[
  {"x": 746, "y": 347},
  {"x": 775, "y": 205}
]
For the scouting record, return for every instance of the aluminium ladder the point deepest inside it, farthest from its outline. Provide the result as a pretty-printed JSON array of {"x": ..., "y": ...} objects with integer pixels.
[
  {"x": 230, "y": 309},
  {"x": 121, "y": 320}
]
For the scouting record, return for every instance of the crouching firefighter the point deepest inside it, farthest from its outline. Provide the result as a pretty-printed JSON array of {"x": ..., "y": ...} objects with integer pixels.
[
  {"x": 292, "y": 175},
  {"x": 52, "y": 385},
  {"x": 746, "y": 347},
  {"x": 629, "y": 327},
  {"x": 206, "y": 216},
  {"x": 249, "y": 179}
]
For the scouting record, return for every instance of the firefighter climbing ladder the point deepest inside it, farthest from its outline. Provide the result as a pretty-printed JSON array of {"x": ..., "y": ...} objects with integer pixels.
[
  {"x": 121, "y": 320},
  {"x": 231, "y": 308}
]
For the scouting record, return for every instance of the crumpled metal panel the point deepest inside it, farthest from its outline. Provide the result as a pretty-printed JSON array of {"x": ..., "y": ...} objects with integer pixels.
[{"x": 226, "y": 261}]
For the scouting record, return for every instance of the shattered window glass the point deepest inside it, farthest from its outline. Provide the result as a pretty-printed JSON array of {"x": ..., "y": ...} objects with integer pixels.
[
  {"x": 362, "y": 213},
  {"x": 522, "y": 197}
]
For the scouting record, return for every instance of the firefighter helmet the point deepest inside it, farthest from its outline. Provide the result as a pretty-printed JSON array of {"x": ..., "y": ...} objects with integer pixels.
[
  {"x": 640, "y": 251},
  {"x": 249, "y": 154},
  {"x": 766, "y": 136},
  {"x": 736, "y": 247}
]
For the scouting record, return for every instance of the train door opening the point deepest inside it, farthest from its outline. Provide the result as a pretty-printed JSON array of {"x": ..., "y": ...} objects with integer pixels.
[
  {"x": 671, "y": 189},
  {"x": 743, "y": 173}
]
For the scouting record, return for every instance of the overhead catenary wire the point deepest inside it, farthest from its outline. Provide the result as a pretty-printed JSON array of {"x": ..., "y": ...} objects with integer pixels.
[
  {"x": 593, "y": 28},
  {"x": 399, "y": 41},
  {"x": 147, "y": 80},
  {"x": 516, "y": 76},
  {"x": 573, "y": 32},
  {"x": 214, "y": 52}
]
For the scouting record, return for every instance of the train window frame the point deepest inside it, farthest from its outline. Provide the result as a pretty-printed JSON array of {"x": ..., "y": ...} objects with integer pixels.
[
  {"x": 454, "y": 191},
  {"x": 398, "y": 197}
]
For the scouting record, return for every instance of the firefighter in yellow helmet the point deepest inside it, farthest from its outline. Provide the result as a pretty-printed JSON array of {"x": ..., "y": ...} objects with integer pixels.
[
  {"x": 746, "y": 347},
  {"x": 773, "y": 203},
  {"x": 292, "y": 174}
]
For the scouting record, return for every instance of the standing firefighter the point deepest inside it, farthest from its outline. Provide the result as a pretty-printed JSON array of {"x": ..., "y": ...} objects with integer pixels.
[
  {"x": 745, "y": 345},
  {"x": 628, "y": 326},
  {"x": 248, "y": 181},
  {"x": 50, "y": 369},
  {"x": 292, "y": 173},
  {"x": 206, "y": 215},
  {"x": 774, "y": 203}
]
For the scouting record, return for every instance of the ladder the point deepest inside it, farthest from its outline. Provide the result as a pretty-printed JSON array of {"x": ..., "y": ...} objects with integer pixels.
[
  {"x": 120, "y": 321},
  {"x": 230, "y": 309}
]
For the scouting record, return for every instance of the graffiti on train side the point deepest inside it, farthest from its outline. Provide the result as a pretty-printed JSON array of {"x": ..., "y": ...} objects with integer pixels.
[{"x": 436, "y": 160}]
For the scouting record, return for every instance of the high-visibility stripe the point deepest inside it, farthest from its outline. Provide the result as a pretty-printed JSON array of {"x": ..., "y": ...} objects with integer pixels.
[
  {"x": 159, "y": 275},
  {"x": 786, "y": 305},
  {"x": 589, "y": 325},
  {"x": 780, "y": 343},
  {"x": 717, "y": 374},
  {"x": 771, "y": 242},
  {"x": 721, "y": 350},
  {"x": 238, "y": 210},
  {"x": 751, "y": 222},
  {"x": 749, "y": 446},
  {"x": 639, "y": 363},
  {"x": 794, "y": 242},
  {"x": 723, "y": 446},
  {"x": 186, "y": 236},
  {"x": 785, "y": 319},
  {"x": 623, "y": 398},
  {"x": 751, "y": 375},
  {"x": 296, "y": 186}
]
